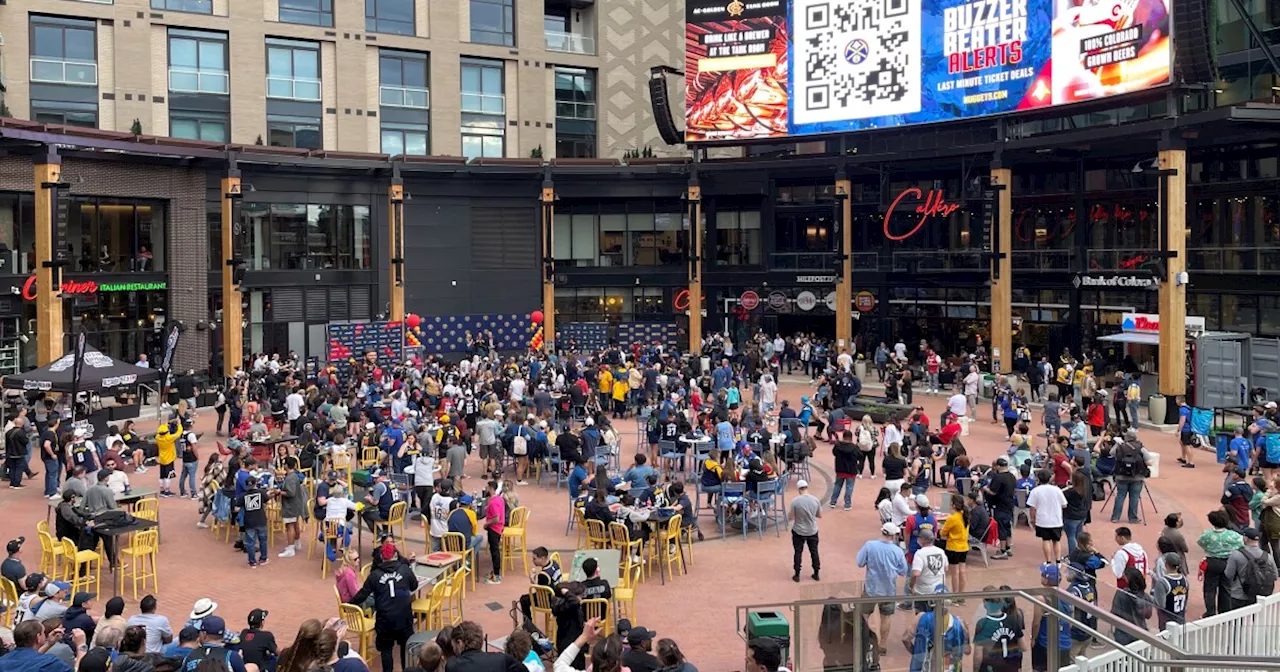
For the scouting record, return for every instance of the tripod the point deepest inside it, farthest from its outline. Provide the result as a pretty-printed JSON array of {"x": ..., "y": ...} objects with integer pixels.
[{"x": 1142, "y": 508}]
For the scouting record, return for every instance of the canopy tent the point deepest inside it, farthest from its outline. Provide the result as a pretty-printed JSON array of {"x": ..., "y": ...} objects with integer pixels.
[{"x": 100, "y": 372}]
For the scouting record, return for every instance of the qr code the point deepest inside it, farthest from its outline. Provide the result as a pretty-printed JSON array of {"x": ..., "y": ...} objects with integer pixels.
[{"x": 855, "y": 59}]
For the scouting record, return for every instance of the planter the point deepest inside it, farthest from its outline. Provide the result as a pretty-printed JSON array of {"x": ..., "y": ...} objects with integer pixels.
[
  {"x": 124, "y": 412},
  {"x": 1156, "y": 408},
  {"x": 206, "y": 399},
  {"x": 860, "y": 368},
  {"x": 878, "y": 409}
]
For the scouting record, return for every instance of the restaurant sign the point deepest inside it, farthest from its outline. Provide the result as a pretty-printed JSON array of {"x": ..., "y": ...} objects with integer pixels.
[
  {"x": 1115, "y": 281},
  {"x": 85, "y": 287}
]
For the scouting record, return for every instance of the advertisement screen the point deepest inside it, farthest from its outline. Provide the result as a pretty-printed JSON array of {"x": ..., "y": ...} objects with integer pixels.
[{"x": 757, "y": 69}]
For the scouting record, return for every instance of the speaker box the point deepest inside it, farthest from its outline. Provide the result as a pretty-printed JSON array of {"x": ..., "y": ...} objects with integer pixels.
[
  {"x": 662, "y": 110},
  {"x": 1194, "y": 42}
]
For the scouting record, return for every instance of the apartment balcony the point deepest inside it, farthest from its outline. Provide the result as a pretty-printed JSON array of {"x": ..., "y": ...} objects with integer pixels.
[
  {"x": 569, "y": 43},
  {"x": 64, "y": 71}
]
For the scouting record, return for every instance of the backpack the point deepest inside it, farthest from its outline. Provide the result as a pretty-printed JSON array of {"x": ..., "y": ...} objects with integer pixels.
[
  {"x": 865, "y": 442},
  {"x": 1129, "y": 461},
  {"x": 1259, "y": 576},
  {"x": 519, "y": 444}
]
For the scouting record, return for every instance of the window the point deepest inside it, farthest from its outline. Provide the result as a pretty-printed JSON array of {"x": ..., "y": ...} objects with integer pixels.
[
  {"x": 308, "y": 236},
  {"x": 738, "y": 238},
  {"x": 288, "y": 131},
  {"x": 493, "y": 22},
  {"x": 310, "y": 12},
  {"x": 610, "y": 304},
  {"x": 408, "y": 141},
  {"x": 193, "y": 6},
  {"x": 483, "y": 109},
  {"x": 210, "y": 127},
  {"x": 575, "y": 113},
  {"x": 293, "y": 70},
  {"x": 634, "y": 234},
  {"x": 389, "y": 16},
  {"x": 65, "y": 113},
  {"x": 198, "y": 62},
  {"x": 108, "y": 235},
  {"x": 403, "y": 80},
  {"x": 63, "y": 51}
]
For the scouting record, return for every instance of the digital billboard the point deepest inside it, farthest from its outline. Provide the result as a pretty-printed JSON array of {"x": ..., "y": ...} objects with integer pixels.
[{"x": 758, "y": 69}]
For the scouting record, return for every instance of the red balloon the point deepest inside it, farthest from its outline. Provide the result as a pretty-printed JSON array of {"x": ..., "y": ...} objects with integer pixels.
[
  {"x": 536, "y": 316},
  {"x": 413, "y": 321}
]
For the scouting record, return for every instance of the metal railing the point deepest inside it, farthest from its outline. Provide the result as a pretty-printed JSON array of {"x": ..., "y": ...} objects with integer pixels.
[
  {"x": 195, "y": 80},
  {"x": 938, "y": 260},
  {"x": 414, "y": 97},
  {"x": 64, "y": 71},
  {"x": 572, "y": 110},
  {"x": 569, "y": 43},
  {"x": 484, "y": 103},
  {"x": 848, "y": 631},
  {"x": 821, "y": 261},
  {"x": 1234, "y": 259},
  {"x": 293, "y": 88},
  {"x": 1041, "y": 260}
]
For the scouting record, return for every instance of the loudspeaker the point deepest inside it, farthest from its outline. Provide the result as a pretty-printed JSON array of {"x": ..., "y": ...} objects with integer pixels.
[
  {"x": 662, "y": 109},
  {"x": 1193, "y": 27}
]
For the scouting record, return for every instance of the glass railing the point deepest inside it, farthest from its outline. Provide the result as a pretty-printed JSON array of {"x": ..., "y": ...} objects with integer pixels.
[
  {"x": 569, "y": 43},
  {"x": 938, "y": 260},
  {"x": 821, "y": 261},
  {"x": 572, "y": 110},
  {"x": 194, "y": 80},
  {"x": 64, "y": 71},
  {"x": 293, "y": 88},
  {"x": 1041, "y": 260},
  {"x": 484, "y": 103},
  {"x": 404, "y": 96}
]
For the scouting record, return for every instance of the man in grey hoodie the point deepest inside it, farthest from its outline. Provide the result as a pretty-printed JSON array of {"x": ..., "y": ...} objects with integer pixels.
[{"x": 1237, "y": 571}]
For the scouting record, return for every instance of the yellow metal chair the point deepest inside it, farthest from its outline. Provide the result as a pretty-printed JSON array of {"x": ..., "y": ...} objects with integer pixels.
[
  {"x": 620, "y": 538},
  {"x": 455, "y": 587},
  {"x": 555, "y": 557},
  {"x": 599, "y": 608},
  {"x": 454, "y": 542},
  {"x": 428, "y": 612},
  {"x": 143, "y": 551},
  {"x": 395, "y": 519},
  {"x": 625, "y": 594},
  {"x": 331, "y": 534},
  {"x": 369, "y": 457},
  {"x": 82, "y": 569},
  {"x": 515, "y": 541},
  {"x": 9, "y": 600},
  {"x": 50, "y": 551},
  {"x": 667, "y": 538},
  {"x": 597, "y": 535},
  {"x": 358, "y": 625},
  {"x": 147, "y": 509},
  {"x": 275, "y": 522},
  {"x": 685, "y": 539},
  {"x": 342, "y": 464},
  {"x": 540, "y": 607}
]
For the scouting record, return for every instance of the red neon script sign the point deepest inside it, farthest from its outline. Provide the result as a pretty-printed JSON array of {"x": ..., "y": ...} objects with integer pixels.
[
  {"x": 680, "y": 302},
  {"x": 934, "y": 204},
  {"x": 68, "y": 287}
]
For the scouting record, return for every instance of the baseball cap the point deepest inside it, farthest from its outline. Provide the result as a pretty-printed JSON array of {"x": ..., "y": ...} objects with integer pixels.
[
  {"x": 81, "y": 598},
  {"x": 890, "y": 528},
  {"x": 203, "y": 607},
  {"x": 638, "y": 634},
  {"x": 1270, "y": 404},
  {"x": 375, "y": 472},
  {"x": 802, "y": 484},
  {"x": 923, "y": 502},
  {"x": 189, "y": 634},
  {"x": 56, "y": 587},
  {"x": 1251, "y": 533},
  {"x": 15, "y": 545},
  {"x": 465, "y": 500},
  {"x": 1050, "y": 572},
  {"x": 623, "y": 627},
  {"x": 34, "y": 580},
  {"x": 81, "y": 433},
  {"x": 256, "y": 617},
  {"x": 213, "y": 625},
  {"x": 97, "y": 659},
  {"x": 1002, "y": 462},
  {"x": 331, "y": 476}
]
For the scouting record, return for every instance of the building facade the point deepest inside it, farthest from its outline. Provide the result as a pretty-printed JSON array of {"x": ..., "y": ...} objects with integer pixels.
[{"x": 473, "y": 78}]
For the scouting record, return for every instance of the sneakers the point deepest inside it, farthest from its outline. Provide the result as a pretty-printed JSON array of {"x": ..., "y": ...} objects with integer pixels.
[
  {"x": 848, "y": 508},
  {"x": 796, "y": 577},
  {"x": 262, "y": 562},
  {"x": 253, "y": 565},
  {"x": 815, "y": 575},
  {"x": 288, "y": 552},
  {"x": 493, "y": 580},
  {"x": 522, "y": 482},
  {"x": 140, "y": 470},
  {"x": 203, "y": 526}
]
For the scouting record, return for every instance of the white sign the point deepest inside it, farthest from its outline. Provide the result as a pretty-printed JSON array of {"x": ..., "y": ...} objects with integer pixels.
[
  {"x": 830, "y": 301},
  {"x": 806, "y": 301},
  {"x": 1115, "y": 282},
  {"x": 816, "y": 279},
  {"x": 1148, "y": 323}
]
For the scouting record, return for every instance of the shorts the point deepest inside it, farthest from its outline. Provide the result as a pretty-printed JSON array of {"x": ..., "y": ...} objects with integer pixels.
[
  {"x": 957, "y": 557},
  {"x": 287, "y": 521},
  {"x": 489, "y": 452},
  {"x": 1185, "y": 438},
  {"x": 166, "y": 470},
  {"x": 1004, "y": 524},
  {"x": 1264, "y": 464},
  {"x": 733, "y": 407},
  {"x": 885, "y": 608},
  {"x": 1049, "y": 533},
  {"x": 1040, "y": 658}
]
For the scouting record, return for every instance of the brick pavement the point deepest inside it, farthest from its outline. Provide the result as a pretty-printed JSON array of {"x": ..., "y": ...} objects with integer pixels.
[{"x": 697, "y": 610}]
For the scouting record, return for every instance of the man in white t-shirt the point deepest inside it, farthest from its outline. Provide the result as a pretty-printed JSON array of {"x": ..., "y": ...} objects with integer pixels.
[
  {"x": 1046, "y": 503},
  {"x": 293, "y": 409},
  {"x": 928, "y": 569},
  {"x": 971, "y": 383},
  {"x": 845, "y": 360},
  {"x": 957, "y": 404},
  {"x": 900, "y": 351}
]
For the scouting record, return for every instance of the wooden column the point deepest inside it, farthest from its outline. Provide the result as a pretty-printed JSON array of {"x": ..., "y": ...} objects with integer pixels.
[
  {"x": 1173, "y": 298},
  {"x": 695, "y": 269},
  {"x": 232, "y": 314},
  {"x": 48, "y": 292},
  {"x": 1002, "y": 287},
  {"x": 395, "y": 224},
  {"x": 548, "y": 271},
  {"x": 844, "y": 288}
]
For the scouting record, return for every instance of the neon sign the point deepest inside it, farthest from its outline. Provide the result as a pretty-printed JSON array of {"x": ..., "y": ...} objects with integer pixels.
[
  {"x": 934, "y": 204},
  {"x": 80, "y": 288},
  {"x": 680, "y": 302}
]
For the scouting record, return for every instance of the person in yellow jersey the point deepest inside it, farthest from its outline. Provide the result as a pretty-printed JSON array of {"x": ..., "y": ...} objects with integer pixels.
[
  {"x": 167, "y": 454},
  {"x": 620, "y": 389},
  {"x": 605, "y": 382}
]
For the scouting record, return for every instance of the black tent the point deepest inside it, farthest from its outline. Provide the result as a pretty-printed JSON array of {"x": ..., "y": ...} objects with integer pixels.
[{"x": 100, "y": 372}]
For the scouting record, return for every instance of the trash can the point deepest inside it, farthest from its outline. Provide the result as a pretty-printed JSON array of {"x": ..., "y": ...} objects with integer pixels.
[
  {"x": 860, "y": 368},
  {"x": 1221, "y": 441},
  {"x": 706, "y": 364},
  {"x": 771, "y": 624},
  {"x": 1156, "y": 408}
]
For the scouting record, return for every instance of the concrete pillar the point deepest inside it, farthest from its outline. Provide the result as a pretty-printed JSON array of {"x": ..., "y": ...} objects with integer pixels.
[
  {"x": 48, "y": 174},
  {"x": 844, "y": 288},
  {"x": 1173, "y": 298},
  {"x": 232, "y": 317},
  {"x": 548, "y": 266},
  {"x": 695, "y": 268},
  {"x": 395, "y": 222},
  {"x": 1002, "y": 274}
]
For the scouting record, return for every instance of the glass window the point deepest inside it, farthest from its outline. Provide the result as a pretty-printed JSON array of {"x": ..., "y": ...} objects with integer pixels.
[
  {"x": 293, "y": 71},
  {"x": 575, "y": 113},
  {"x": 738, "y": 238},
  {"x": 199, "y": 126},
  {"x": 193, "y": 6},
  {"x": 482, "y": 87},
  {"x": 493, "y": 22},
  {"x": 63, "y": 51},
  {"x": 308, "y": 236},
  {"x": 1270, "y": 314},
  {"x": 1240, "y": 313},
  {"x": 108, "y": 235},
  {"x": 310, "y": 12},
  {"x": 84, "y": 115},
  {"x": 389, "y": 16},
  {"x": 400, "y": 139},
  {"x": 301, "y": 132},
  {"x": 198, "y": 62},
  {"x": 403, "y": 78}
]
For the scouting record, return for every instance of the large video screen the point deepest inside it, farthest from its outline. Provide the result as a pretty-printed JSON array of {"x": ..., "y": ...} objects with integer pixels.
[{"x": 773, "y": 68}]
